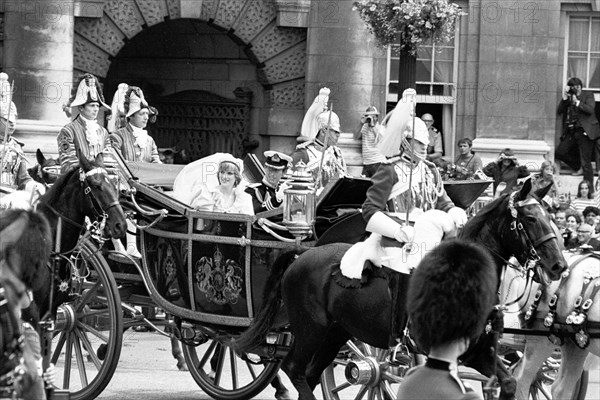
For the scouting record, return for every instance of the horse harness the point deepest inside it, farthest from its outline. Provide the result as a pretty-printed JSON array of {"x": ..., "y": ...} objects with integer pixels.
[{"x": 576, "y": 325}]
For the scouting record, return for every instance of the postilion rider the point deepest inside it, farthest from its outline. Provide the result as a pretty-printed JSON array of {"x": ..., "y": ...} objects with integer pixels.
[
  {"x": 410, "y": 185},
  {"x": 268, "y": 194}
]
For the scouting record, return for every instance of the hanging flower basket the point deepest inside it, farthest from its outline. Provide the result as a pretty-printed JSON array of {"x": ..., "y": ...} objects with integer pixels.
[{"x": 409, "y": 22}]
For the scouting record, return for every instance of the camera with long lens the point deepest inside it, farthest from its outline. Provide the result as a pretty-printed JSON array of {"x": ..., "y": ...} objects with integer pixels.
[
  {"x": 572, "y": 90},
  {"x": 368, "y": 119}
]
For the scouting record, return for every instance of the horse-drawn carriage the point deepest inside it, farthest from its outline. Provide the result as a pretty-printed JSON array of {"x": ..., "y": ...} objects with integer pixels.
[{"x": 210, "y": 281}]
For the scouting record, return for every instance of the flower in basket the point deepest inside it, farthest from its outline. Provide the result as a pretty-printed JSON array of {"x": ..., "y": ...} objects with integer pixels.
[{"x": 409, "y": 22}]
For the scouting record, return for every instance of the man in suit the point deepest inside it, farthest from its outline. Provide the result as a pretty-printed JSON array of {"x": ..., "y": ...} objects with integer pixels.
[{"x": 577, "y": 108}]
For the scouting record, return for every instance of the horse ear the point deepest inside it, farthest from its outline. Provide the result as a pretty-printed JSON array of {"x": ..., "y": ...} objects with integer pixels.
[
  {"x": 12, "y": 233},
  {"x": 40, "y": 157},
  {"x": 100, "y": 159},
  {"x": 541, "y": 193},
  {"x": 524, "y": 192}
]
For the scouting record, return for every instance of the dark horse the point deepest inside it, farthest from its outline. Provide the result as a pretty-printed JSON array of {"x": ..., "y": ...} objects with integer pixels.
[
  {"x": 82, "y": 192},
  {"x": 46, "y": 171},
  {"x": 24, "y": 252},
  {"x": 324, "y": 315}
]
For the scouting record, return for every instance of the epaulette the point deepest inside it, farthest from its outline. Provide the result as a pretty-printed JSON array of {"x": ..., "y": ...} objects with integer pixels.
[
  {"x": 304, "y": 145},
  {"x": 254, "y": 185}
]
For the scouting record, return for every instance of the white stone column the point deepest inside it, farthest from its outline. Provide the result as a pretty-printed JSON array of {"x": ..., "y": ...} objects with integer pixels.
[{"x": 38, "y": 56}]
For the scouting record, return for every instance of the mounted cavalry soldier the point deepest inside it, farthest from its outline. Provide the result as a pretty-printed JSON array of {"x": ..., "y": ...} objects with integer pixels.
[
  {"x": 321, "y": 130},
  {"x": 268, "y": 194},
  {"x": 14, "y": 173},
  {"x": 407, "y": 209},
  {"x": 83, "y": 134}
]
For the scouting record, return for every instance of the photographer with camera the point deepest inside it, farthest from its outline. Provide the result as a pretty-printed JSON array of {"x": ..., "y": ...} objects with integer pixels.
[
  {"x": 370, "y": 134},
  {"x": 580, "y": 123}
]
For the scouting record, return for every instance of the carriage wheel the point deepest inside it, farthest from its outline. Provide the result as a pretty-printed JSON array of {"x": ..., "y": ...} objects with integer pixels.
[
  {"x": 224, "y": 375},
  {"x": 361, "y": 371},
  {"x": 92, "y": 318}
]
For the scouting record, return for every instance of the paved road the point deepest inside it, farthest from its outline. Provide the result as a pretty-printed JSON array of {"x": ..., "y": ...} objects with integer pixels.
[{"x": 147, "y": 371}]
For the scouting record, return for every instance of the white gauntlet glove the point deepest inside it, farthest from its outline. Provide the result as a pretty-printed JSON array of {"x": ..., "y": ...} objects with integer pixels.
[
  {"x": 459, "y": 216},
  {"x": 386, "y": 226},
  {"x": 280, "y": 191}
]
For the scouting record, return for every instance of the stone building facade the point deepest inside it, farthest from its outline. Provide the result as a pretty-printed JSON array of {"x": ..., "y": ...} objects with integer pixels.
[{"x": 508, "y": 65}]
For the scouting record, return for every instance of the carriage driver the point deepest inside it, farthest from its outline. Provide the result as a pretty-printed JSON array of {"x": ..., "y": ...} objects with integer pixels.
[
  {"x": 83, "y": 134},
  {"x": 396, "y": 243},
  {"x": 14, "y": 170},
  {"x": 268, "y": 194}
]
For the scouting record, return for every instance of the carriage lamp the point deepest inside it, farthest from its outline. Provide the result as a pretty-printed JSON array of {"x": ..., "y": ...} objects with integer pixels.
[{"x": 299, "y": 203}]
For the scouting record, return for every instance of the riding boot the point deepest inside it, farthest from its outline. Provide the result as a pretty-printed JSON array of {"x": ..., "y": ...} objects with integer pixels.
[
  {"x": 132, "y": 249},
  {"x": 399, "y": 287}
]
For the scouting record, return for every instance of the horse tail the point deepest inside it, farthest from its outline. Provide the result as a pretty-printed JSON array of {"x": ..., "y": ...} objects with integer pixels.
[{"x": 259, "y": 328}]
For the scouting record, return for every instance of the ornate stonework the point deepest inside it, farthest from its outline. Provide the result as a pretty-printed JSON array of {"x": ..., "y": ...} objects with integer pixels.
[
  {"x": 288, "y": 95},
  {"x": 125, "y": 15},
  {"x": 282, "y": 50},
  {"x": 104, "y": 33},
  {"x": 256, "y": 16},
  {"x": 154, "y": 11},
  {"x": 228, "y": 11},
  {"x": 274, "y": 40},
  {"x": 174, "y": 8},
  {"x": 287, "y": 66},
  {"x": 89, "y": 58}
]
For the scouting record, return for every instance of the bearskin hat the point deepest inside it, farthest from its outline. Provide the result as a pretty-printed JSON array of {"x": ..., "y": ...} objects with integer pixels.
[{"x": 451, "y": 293}]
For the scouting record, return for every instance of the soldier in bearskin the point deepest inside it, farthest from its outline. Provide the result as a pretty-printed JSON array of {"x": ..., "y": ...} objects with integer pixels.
[
  {"x": 450, "y": 296},
  {"x": 83, "y": 134},
  {"x": 268, "y": 194},
  {"x": 14, "y": 171}
]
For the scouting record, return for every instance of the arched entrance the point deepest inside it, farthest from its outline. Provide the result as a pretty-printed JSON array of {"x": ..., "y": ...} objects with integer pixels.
[{"x": 227, "y": 45}]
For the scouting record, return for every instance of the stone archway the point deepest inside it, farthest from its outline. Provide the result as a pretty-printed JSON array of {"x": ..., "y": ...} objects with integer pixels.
[{"x": 279, "y": 54}]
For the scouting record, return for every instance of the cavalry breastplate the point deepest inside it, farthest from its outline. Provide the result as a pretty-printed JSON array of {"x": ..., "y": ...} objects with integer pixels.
[
  {"x": 420, "y": 197},
  {"x": 11, "y": 164}
]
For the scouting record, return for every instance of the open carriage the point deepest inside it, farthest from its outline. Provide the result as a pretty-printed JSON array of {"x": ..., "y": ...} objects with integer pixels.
[{"x": 209, "y": 280}]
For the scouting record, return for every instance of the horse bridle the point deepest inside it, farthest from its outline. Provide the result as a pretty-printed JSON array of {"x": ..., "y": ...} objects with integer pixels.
[
  {"x": 88, "y": 190},
  {"x": 529, "y": 254}
]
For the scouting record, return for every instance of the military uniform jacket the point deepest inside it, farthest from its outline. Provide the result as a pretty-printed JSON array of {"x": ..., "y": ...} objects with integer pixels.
[
  {"x": 15, "y": 171},
  {"x": 434, "y": 381},
  {"x": 73, "y": 137},
  {"x": 389, "y": 191},
  {"x": 310, "y": 153},
  {"x": 263, "y": 197},
  {"x": 124, "y": 141}
]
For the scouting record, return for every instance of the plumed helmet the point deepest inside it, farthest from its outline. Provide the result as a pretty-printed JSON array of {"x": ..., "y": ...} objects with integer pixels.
[
  {"x": 89, "y": 91},
  {"x": 134, "y": 101},
  {"x": 395, "y": 124},
  {"x": 117, "y": 118},
  {"x": 419, "y": 133},
  {"x": 451, "y": 293},
  {"x": 323, "y": 120},
  {"x": 8, "y": 110},
  {"x": 310, "y": 124}
]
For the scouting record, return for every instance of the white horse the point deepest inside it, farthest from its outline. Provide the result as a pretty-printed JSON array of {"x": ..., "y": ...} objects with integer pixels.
[{"x": 538, "y": 348}]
